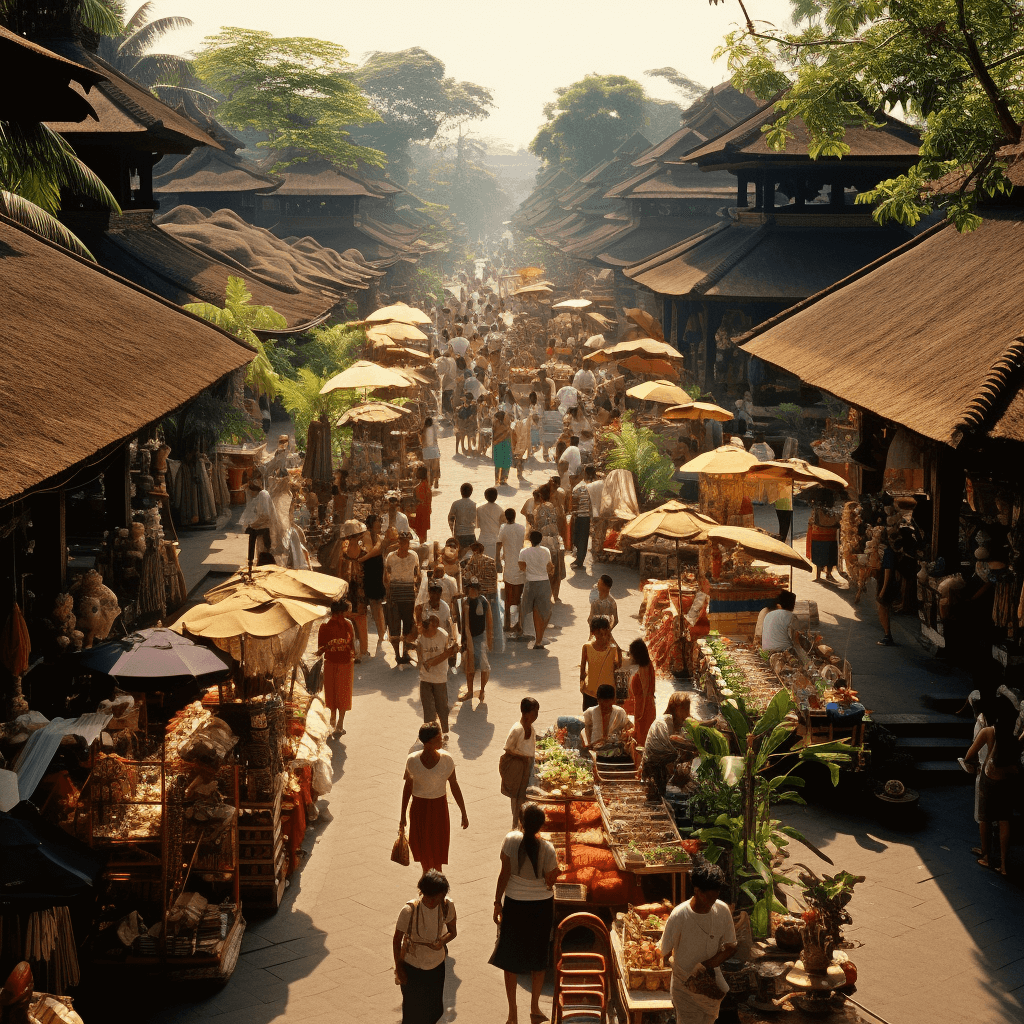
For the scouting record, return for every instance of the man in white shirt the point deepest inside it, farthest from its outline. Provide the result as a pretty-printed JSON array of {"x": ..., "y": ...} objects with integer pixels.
[
  {"x": 700, "y": 936},
  {"x": 394, "y": 516},
  {"x": 511, "y": 539},
  {"x": 522, "y": 745},
  {"x": 570, "y": 465},
  {"x": 459, "y": 345},
  {"x": 584, "y": 380},
  {"x": 433, "y": 649},
  {"x": 779, "y": 628},
  {"x": 474, "y": 386},
  {"x": 489, "y": 518},
  {"x": 567, "y": 398},
  {"x": 401, "y": 580},
  {"x": 535, "y": 562},
  {"x": 435, "y": 604}
]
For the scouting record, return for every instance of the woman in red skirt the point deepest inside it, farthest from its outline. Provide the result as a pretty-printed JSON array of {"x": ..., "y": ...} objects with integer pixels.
[
  {"x": 428, "y": 774},
  {"x": 335, "y": 642},
  {"x": 421, "y": 518}
]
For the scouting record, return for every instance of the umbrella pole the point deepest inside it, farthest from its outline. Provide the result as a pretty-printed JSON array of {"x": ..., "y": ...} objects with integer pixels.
[{"x": 791, "y": 530}]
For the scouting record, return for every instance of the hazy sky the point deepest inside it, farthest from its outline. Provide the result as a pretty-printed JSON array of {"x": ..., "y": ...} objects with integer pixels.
[{"x": 521, "y": 50}]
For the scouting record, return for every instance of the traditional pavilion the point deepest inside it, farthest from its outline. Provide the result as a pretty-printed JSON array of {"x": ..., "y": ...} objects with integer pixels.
[{"x": 801, "y": 233}]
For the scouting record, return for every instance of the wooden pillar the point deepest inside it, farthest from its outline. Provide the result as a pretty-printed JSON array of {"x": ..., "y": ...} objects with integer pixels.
[
  {"x": 117, "y": 489},
  {"x": 714, "y": 313},
  {"x": 947, "y": 497},
  {"x": 769, "y": 191},
  {"x": 758, "y": 194},
  {"x": 836, "y": 196},
  {"x": 51, "y": 552},
  {"x": 741, "y": 190}
]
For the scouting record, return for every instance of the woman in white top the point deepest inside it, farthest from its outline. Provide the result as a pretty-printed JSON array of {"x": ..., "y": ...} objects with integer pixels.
[
  {"x": 425, "y": 927},
  {"x": 603, "y": 725},
  {"x": 428, "y": 774},
  {"x": 431, "y": 452},
  {"x": 523, "y": 909},
  {"x": 521, "y": 746}
]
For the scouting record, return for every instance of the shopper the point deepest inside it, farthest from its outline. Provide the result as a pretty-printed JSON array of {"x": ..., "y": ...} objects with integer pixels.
[
  {"x": 548, "y": 518},
  {"x": 784, "y": 513},
  {"x": 373, "y": 575},
  {"x": 430, "y": 451},
  {"x": 350, "y": 569},
  {"x": 822, "y": 538},
  {"x": 335, "y": 643},
  {"x": 435, "y": 604},
  {"x": 433, "y": 649},
  {"x": 428, "y": 774},
  {"x": 511, "y": 539},
  {"x": 425, "y": 929},
  {"x": 535, "y": 563},
  {"x": 524, "y": 909},
  {"x": 581, "y": 516},
  {"x": 888, "y": 583},
  {"x": 401, "y": 579},
  {"x": 424, "y": 496},
  {"x": 521, "y": 747},
  {"x": 462, "y": 518},
  {"x": 778, "y": 632},
  {"x": 489, "y": 518},
  {"x": 477, "y": 638},
  {"x": 604, "y": 606},
  {"x": 598, "y": 664},
  {"x": 641, "y": 691},
  {"x": 700, "y": 936},
  {"x": 501, "y": 447}
]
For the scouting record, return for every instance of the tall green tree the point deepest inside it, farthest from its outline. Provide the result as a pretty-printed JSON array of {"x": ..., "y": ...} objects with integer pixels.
[
  {"x": 588, "y": 120},
  {"x": 415, "y": 102},
  {"x": 296, "y": 91},
  {"x": 956, "y": 68},
  {"x": 168, "y": 75}
]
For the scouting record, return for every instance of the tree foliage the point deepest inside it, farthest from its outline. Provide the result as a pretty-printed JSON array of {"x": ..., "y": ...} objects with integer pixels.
[
  {"x": 588, "y": 120},
  {"x": 415, "y": 101},
  {"x": 634, "y": 448},
  {"x": 297, "y": 91},
  {"x": 957, "y": 71},
  {"x": 170, "y": 76}
]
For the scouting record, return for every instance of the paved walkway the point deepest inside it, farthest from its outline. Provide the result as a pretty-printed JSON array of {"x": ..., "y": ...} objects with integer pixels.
[{"x": 941, "y": 938}]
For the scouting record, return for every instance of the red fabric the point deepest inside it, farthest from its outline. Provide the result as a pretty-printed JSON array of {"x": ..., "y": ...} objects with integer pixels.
[
  {"x": 421, "y": 518},
  {"x": 293, "y": 824},
  {"x": 641, "y": 693},
  {"x": 592, "y": 856},
  {"x": 338, "y": 685},
  {"x": 336, "y": 635},
  {"x": 429, "y": 832}
]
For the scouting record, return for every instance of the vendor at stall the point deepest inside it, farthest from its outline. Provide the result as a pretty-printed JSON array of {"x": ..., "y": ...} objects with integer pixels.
[
  {"x": 603, "y": 726},
  {"x": 667, "y": 742},
  {"x": 777, "y": 630}
]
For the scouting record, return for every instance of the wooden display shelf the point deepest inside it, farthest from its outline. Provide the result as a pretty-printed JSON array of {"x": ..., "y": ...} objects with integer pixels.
[{"x": 636, "y": 1003}]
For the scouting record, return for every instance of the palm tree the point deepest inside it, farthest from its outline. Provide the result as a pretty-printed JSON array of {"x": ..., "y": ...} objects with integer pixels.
[{"x": 169, "y": 76}]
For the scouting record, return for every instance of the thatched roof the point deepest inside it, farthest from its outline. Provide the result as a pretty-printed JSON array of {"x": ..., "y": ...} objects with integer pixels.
[
  {"x": 930, "y": 336},
  {"x": 321, "y": 178},
  {"x": 677, "y": 145},
  {"x": 773, "y": 261},
  {"x": 89, "y": 359},
  {"x": 51, "y": 94},
  {"x": 125, "y": 109},
  {"x": 207, "y": 170},
  {"x": 652, "y": 234}
]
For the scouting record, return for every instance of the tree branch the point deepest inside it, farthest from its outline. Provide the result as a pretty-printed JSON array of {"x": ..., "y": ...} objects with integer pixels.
[{"x": 974, "y": 58}]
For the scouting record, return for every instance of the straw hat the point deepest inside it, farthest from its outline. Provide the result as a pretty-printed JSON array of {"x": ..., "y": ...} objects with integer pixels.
[{"x": 351, "y": 528}]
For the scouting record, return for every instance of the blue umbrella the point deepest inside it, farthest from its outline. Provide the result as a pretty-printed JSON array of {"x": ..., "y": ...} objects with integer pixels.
[{"x": 155, "y": 654}]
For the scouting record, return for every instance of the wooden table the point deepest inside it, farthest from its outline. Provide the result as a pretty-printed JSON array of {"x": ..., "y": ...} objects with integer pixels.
[{"x": 636, "y": 1002}]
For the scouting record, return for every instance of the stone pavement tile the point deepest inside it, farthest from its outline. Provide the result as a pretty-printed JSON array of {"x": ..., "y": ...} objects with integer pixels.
[
  {"x": 994, "y": 931},
  {"x": 1011, "y": 978},
  {"x": 269, "y": 956},
  {"x": 997, "y": 955},
  {"x": 234, "y": 997},
  {"x": 293, "y": 970},
  {"x": 252, "y": 941}
]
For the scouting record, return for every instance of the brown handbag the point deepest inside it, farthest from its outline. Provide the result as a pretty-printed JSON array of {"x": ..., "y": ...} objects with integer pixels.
[{"x": 400, "y": 852}]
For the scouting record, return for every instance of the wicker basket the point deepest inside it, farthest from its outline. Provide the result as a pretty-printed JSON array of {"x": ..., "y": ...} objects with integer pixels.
[
  {"x": 259, "y": 784},
  {"x": 572, "y": 892},
  {"x": 257, "y": 755},
  {"x": 815, "y": 959}
]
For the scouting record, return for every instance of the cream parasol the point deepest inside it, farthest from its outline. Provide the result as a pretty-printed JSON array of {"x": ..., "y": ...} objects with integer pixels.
[
  {"x": 401, "y": 312},
  {"x": 371, "y": 412},
  {"x": 664, "y": 392},
  {"x": 725, "y": 461},
  {"x": 637, "y": 364},
  {"x": 573, "y": 304},
  {"x": 673, "y": 521},
  {"x": 698, "y": 411},
  {"x": 762, "y": 546},
  {"x": 366, "y": 375},
  {"x": 396, "y": 331},
  {"x": 644, "y": 320},
  {"x": 798, "y": 471},
  {"x": 648, "y": 348}
]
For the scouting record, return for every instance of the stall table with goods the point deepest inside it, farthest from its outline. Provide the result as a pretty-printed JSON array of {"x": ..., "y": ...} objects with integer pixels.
[{"x": 642, "y": 978}]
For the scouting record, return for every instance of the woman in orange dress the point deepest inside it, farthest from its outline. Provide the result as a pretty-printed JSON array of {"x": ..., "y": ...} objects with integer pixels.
[
  {"x": 335, "y": 641},
  {"x": 421, "y": 518},
  {"x": 641, "y": 691}
]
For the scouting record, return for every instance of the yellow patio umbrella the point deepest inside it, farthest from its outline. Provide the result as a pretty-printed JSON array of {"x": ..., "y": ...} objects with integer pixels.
[
  {"x": 698, "y": 411},
  {"x": 640, "y": 365},
  {"x": 799, "y": 471},
  {"x": 762, "y": 546},
  {"x": 245, "y": 615},
  {"x": 724, "y": 461},
  {"x": 271, "y": 581},
  {"x": 396, "y": 331},
  {"x": 664, "y": 392},
  {"x": 366, "y": 375},
  {"x": 401, "y": 312},
  {"x": 371, "y": 412},
  {"x": 674, "y": 521},
  {"x": 648, "y": 348},
  {"x": 644, "y": 319}
]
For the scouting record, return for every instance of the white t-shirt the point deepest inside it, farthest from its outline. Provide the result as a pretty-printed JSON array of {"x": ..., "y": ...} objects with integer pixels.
[
  {"x": 403, "y": 570},
  {"x": 459, "y": 345},
  {"x": 692, "y": 938},
  {"x": 572, "y": 458},
  {"x": 489, "y": 518},
  {"x": 427, "y": 927},
  {"x": 775, "y": 632},
  {"x": 430, "y": 783},
  {"x": 443, "y": 612},
  {"x": 584, "y": 380},
  {"x": 517, "y": 743},
  {"x": 401, "y": 522},
  {"x": 617, "y": 721},
  {"x": 523, "y": 884},
  {"x": 449, "y": 588},
  {"x": 430, "y": 647},
  {"x": 596, "y": 488},
  {"x": 536, "y": 559},
  {"x": 512, "y": 537}
]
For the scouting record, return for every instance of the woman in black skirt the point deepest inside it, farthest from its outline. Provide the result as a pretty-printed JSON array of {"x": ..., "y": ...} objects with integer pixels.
[{"x": 529, "y": 867}]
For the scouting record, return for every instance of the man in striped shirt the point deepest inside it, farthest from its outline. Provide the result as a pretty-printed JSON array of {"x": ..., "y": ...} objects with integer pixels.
[{"x": 581, "y": 514}]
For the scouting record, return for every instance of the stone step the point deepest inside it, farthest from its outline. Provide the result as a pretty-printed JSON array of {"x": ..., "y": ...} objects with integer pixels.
[
  {"x": 925, "y": 723},
  {"x": 941, "y": 773},
  {"x": 932, "y": 748},
  {"x": 947, "y": 702}
]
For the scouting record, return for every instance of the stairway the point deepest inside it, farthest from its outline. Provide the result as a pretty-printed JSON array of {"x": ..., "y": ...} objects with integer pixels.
[{"x": 934, "y": 738}]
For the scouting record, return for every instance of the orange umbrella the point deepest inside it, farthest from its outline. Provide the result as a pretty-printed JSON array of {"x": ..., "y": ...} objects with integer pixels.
[
  {"x": 698, "y": 411},
  {"x": 640, "y": 365},
  {"x": 644, "y": 319}
]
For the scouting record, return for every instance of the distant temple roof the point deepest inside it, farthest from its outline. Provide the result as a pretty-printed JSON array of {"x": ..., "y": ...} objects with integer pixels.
[{"x": 210, "y": 170}]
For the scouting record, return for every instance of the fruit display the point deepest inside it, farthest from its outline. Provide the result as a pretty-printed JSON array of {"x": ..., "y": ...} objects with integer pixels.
[
  {"x": 645, "y": 967},
  {"x": 564, "y": 773}
]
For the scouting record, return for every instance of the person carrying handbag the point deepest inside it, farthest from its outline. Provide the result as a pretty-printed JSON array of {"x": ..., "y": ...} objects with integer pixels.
[{"x": 425, "y": 928}]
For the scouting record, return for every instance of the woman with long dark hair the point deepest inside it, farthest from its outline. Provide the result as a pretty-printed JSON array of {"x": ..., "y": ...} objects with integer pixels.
[
  {"x": 523, "y": 909},
  {"x": 373, "y": 574},
  {"x": 425, "y": 928},
  {"x": 641, "y": 691}
]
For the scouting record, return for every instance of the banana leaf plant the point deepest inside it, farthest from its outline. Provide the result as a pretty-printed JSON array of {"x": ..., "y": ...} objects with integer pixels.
[{"x": 751, "y": 838}]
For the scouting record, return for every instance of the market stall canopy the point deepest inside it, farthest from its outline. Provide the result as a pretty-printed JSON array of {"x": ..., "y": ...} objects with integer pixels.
[
  {"x": 600, "y": 319},
  {"x": 664, "y": 392},
  {"x": 637, "y": 364},
  {"x": 401, "y": 312},
  {"x": 698, "y": 411},
  {"x": 724, "y": 461},
  {"x": 247, "y": 615},
  {"x": 371, "y": 412},
  {"x": 573, "y": 304},
  {"x": 674, "y": 521},
  {"x": 402, "y": 354},
  {"x": 648, "y": 348},
  {"x": 534, "y": 290},
  {"x": 364, "y": 374},
  {"x": 277, "y": 581},
  {"x": 396, "y": 331},
  {"x": 799, "y": 471},
  {"x": 644, "y": 319},
  {"x": 762, "y": 546},
  {"x": 618, "y": 498},
  {"x": 152, "y": 654}
]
